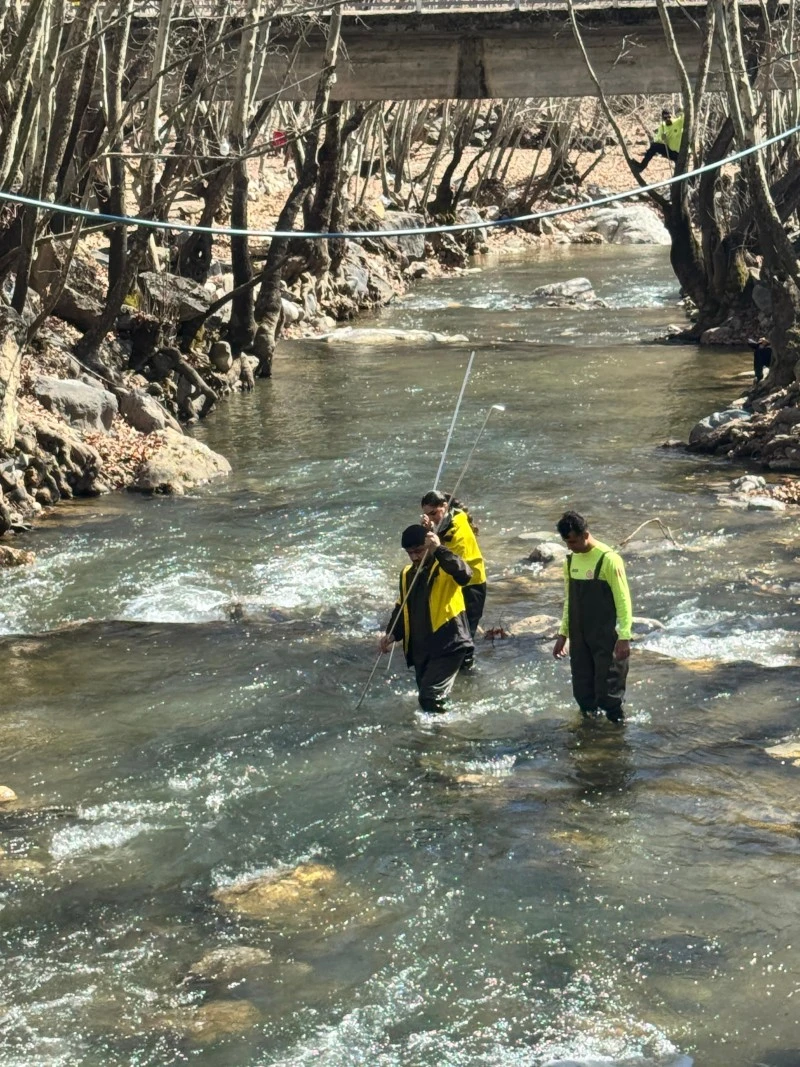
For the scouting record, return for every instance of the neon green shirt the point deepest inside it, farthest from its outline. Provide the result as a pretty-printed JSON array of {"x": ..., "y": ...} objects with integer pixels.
[
  {"x": 613, "y": 572},
  {"x": 671, "y": 135}
]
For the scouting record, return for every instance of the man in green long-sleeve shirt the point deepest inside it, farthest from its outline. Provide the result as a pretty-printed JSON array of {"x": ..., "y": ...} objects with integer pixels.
[{"x": 596, "y": 623}]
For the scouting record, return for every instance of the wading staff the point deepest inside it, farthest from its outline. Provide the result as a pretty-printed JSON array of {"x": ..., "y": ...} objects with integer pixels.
[
  {"x": 396, "y": 616},
  {"x": 453, "y": 420}
]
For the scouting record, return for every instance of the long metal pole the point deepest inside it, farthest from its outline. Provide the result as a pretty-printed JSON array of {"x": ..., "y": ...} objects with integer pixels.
[
  {"x": 494, "y": 407},
  {"x": 453, "y": 420}
]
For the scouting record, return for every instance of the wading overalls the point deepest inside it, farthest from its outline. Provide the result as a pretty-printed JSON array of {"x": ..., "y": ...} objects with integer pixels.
[{"x": 598, "y": 680}]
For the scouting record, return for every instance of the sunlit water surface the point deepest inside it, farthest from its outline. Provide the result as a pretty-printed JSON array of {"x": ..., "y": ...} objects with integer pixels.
[{"x": 514, "y": 887}]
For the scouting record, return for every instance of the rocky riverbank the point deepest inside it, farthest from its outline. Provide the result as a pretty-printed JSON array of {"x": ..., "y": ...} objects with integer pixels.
[{"x": 82, "y": 433}]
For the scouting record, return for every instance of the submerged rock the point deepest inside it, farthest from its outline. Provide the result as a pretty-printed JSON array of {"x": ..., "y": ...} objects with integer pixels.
[
  {"x": 15, "y": 557},
  {"x": 178, "y": 463},
  {"x": 308, "y": 885},
  {"x": 676, "y": 952},
  {"x": 13, "y": 867},
  {"x": 210, "y": 1022},
  {"x": 543, "y": 627},
  {"x": 229, "y": 963},
  {"x": 787, "y": 750},
  {"x": 7, "y": 794},
  {"x": 364, "y": 336}
]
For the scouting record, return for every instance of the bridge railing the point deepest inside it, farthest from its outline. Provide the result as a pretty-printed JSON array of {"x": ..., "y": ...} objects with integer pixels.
[{"x": 147, "y": 9}]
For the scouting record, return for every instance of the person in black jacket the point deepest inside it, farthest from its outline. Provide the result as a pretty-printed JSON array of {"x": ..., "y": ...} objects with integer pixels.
[
  {"x": 762, "y": 356},
  {"x": 430, "y": 617}
]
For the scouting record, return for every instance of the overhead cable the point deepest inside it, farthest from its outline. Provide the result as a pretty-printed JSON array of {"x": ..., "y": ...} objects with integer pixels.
[{"x": 407, "y": 231}]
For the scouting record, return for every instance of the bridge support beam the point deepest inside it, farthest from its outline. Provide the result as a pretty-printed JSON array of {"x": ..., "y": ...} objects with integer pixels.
[{"x": 494, "y": 55}]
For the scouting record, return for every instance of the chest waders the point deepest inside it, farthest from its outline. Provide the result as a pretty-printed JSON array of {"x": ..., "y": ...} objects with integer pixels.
[{"x": 598, "y": 680}]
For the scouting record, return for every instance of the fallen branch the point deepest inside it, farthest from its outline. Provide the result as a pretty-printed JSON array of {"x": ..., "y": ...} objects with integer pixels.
[{"x": 661, "y": 525}]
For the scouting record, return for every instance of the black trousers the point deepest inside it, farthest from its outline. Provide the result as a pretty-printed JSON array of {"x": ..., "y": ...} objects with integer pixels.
[
  {"x": 598, "y": 680},
  {"x": 761, "y": 361},
  {"x": 435, "y": 679},
  {"x": 474, "y": 601},
  {"x": 657, "y": 149}
]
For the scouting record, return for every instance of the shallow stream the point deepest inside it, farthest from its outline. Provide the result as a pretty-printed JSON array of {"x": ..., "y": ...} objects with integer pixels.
[{"x": 510, "y": 886}]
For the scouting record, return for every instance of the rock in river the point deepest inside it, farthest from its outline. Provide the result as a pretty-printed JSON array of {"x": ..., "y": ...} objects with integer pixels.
[
  {"x": 305, "y": 886},
  {"x": 230, "y": 963},
  {"x": 788, "y": 750},
  {"x": 309, "y": 895},
  {"x": 363, "y": 336}
]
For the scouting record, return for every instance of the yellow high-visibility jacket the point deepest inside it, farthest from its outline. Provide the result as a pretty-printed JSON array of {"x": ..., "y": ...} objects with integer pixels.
[
  {"x": 671, "y": 135},
  {"x": 460, "y": 538},
  {"x": 447, "y": 630}
]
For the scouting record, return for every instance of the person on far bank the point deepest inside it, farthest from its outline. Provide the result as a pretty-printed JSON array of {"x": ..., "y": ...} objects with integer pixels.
[
  {"x": 453, "y": 523},
  {"x": 762, "y": 356},
  {"x": 432, "y": 624},
  {"x": 596, "y": 622},
  {"x": 667, "y": 141}
]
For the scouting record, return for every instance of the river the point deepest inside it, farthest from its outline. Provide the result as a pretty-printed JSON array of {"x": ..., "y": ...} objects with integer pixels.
[{"x": 509, "y": 886}]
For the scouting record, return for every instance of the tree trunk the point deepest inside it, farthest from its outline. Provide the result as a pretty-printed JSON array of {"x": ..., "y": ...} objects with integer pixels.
[
  {"x": 780, "y": 262},
  {"x": 242, "y": 324},
  {"x": 268, "y": 304},
  {"x": 10, "y": 369}
]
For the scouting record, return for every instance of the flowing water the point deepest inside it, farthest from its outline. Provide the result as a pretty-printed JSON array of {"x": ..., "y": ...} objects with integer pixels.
[{"x": 507, "y": 886}]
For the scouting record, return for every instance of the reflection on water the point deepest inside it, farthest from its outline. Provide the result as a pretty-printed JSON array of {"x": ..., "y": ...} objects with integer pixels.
[{"x": 504, "y": 885}]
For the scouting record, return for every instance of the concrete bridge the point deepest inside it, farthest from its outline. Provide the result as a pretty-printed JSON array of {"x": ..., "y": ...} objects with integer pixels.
[{"x": 424, "y": 49}]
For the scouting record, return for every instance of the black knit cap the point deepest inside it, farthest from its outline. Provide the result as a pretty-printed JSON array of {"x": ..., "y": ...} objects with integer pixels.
[{"x": 413, "y": 536}]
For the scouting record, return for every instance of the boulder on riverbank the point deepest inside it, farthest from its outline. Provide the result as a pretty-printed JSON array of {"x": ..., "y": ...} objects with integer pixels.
[
  {"x": 84, "y": 406},
  {"x": 702, "y": 430},
  {"x": 144, "y": 413},
  {"x": 624, "y": 224},
  {"x": 769, "y": 435},
  {"x": 177, "y": 463}
]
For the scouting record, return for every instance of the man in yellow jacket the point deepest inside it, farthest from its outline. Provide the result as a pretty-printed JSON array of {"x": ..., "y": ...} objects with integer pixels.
[
  {"x": 432, "y": 622},
  {"x": 667, "y": 141},
  {"x": 596, "y": 623},
  {"x": 452, "y": 522}
]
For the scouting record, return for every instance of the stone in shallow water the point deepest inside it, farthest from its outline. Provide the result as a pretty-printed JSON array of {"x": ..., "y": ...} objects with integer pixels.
[
  {"x": 677, "y": 951},
  {"x": 369, "y": 336},
  {"x": 7, "y": 794},
  {"x": 15, "y": 557},
  {"x": 229, "y": 962},
  {"x": 548, "y": 552},
  {"x": 211, "y": 1021},
  {"x": 13, "y": 866},
  {"x": 765, "y": 503},
  {"x": 308, "y": 895},
  {"x": 788, "y": 750},
  {"x": 542, "y": 626}
]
